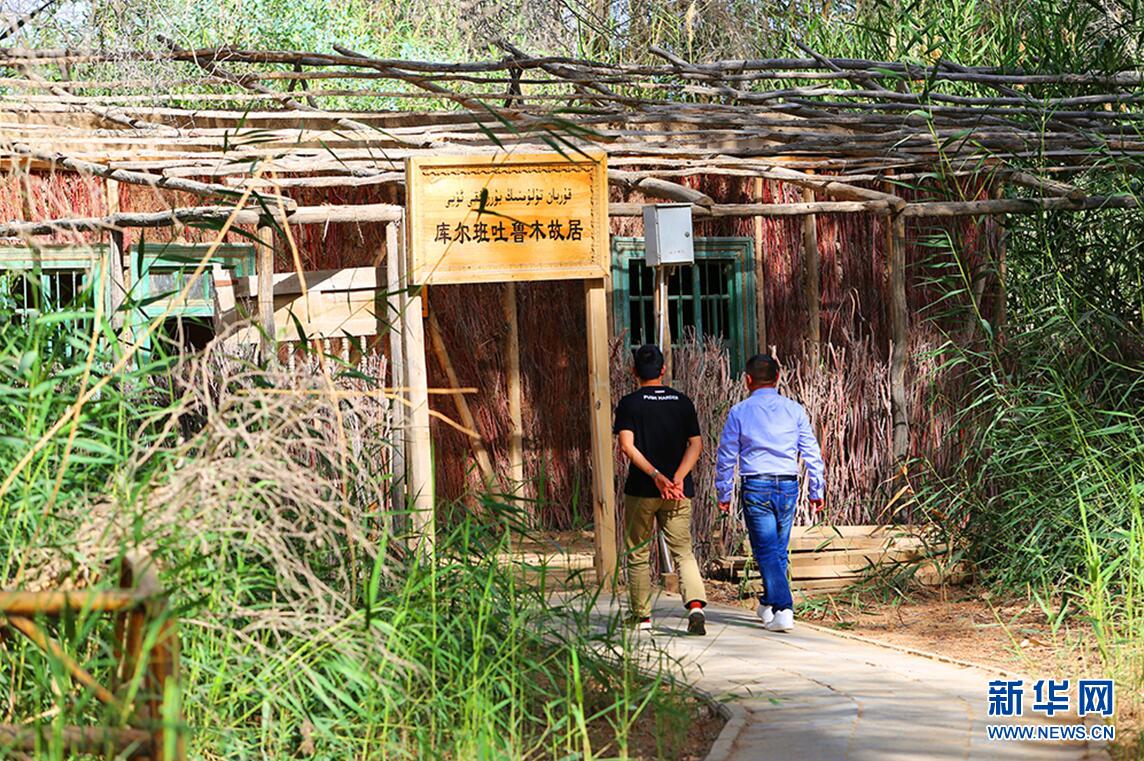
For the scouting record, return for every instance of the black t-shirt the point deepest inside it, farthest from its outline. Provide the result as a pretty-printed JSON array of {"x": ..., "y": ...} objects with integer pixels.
[{"x": 662, "y": 420}]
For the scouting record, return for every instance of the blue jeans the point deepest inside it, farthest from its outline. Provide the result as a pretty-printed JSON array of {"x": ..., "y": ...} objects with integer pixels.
[{"x": 768, "y": 511}]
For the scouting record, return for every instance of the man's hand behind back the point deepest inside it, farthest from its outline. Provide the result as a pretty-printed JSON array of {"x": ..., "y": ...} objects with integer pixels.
[{"x": 667, "y": 487}]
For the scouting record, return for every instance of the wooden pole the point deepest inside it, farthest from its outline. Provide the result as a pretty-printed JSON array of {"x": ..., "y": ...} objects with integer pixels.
[
  {"x": 600, "y": 402},
  {"x": 760, "y": 273},
  {"x": 264, "y": 266},
  {"x": 662, "y": 315},
  {"x": 899, "y": 333},
  {"x": 811, "y": 285},
  {"x": 515, "y": 403},
  {"x": 395, "y": 308},
  {"x": 117, "y": 262},
  {"x": 418, "y": 446}
]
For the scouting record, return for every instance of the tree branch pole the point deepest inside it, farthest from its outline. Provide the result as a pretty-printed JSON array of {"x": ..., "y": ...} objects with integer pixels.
[
  {"x": 302, "y": 215},
  {"x": 899, "y": 332},
  {"x": 811, "y": 282},
  {"x": 158, "y": 181}
]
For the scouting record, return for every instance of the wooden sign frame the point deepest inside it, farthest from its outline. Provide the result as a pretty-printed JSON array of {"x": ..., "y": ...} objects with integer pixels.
[
  {"x": 422, "y": 265},
  {"x": 507, "y": 217}
]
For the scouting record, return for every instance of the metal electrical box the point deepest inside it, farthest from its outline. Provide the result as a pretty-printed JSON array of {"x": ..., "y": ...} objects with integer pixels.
[{"x": 667, "y": 234}]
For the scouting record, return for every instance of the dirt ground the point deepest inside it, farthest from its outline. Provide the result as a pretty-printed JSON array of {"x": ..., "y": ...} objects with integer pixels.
[
  {"x": 685, "y": 733},
  {"x": 971, "y": 625}
]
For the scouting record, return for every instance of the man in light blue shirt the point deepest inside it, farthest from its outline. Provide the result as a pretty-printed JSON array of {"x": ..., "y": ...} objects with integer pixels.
[{"x": 764, "y": 435}]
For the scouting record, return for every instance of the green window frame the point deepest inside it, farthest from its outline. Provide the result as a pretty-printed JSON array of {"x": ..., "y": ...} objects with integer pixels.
[
  {"x": 715, "y": 296},
  {"x": 35, "y": 280},
  {"x": 160, "y": 271}
]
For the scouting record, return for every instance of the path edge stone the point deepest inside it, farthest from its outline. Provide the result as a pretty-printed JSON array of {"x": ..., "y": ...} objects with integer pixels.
[{"x": 735, "y": 720}]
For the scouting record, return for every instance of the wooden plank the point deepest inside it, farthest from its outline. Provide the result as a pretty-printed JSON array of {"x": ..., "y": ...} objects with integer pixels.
[
  {"x": 600, "y": 415},
  {"x": 317, "y": 281},
  {"x": 515, "y": 399},
  {"x": 820, "y": 544},
  {"x": 419, "y": 445},
  {"x": 900, "y": 529},
  {"x": 264, "y": 267}
]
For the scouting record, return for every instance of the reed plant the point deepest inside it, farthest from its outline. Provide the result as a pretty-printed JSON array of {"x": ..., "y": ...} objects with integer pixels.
[{"x": 307, "y": 626}]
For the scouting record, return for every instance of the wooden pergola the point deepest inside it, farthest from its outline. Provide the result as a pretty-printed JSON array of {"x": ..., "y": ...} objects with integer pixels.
[{"x": 229, "y": 125}]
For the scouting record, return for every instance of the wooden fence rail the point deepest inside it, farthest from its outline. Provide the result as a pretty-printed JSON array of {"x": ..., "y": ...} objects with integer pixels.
[{"x": 138, "y": 605}]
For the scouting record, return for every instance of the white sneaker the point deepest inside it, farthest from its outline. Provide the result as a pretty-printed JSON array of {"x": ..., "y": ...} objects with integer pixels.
[
  {"x": 783, "y": 621},
  {"x": 766, "y": 613}
]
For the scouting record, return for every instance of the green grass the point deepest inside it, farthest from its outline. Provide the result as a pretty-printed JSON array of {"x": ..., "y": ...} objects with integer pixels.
[{"x": 306, "y": 626}]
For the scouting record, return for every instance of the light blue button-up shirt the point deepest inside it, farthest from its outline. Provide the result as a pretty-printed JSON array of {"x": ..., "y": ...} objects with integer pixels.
[{"x": 763, "y": 436}]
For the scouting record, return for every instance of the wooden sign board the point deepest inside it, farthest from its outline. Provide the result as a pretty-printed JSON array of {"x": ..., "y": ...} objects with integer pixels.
[{"x": 507, "y": 217}]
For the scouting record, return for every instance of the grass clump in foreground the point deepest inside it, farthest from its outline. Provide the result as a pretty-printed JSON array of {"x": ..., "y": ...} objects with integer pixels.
[{"x": 307, "y": 629}]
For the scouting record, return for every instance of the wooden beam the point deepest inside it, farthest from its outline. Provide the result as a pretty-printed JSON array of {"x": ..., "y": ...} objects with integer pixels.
[
  {"x": 303, "y": 215},
  {"x": 659, "y": 188},
  {"x": 396, "y": 303},
  {"x": 419, "y": 445},
  {"x": 480, "y": 452},
  {"x": 515, "y": 400},
  {"x": 811, "y": 271},
  {"x": 1017, "y": 206},
  {"x": 1046, "y": 186},
  {"x": 899, "y": 333},
  {"x": 765, "y": 209},
  {"x": 147, "y": 179},
  {"x": 600, "y": 415},
  {"x": 833, "y": 188}
]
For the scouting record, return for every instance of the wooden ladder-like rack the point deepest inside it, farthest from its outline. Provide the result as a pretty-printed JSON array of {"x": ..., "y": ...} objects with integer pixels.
[{"x": 137, "y": 605}]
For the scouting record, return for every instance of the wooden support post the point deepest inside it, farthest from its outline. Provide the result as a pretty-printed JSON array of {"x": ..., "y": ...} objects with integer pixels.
[
  {"x": 512, "y": 369},
  {"x": 480, "y": 452},
  {"x": 1001, "y": 298},
  {"x": 116, "y": 262},
  {"x": 264, "y": 266},
  {"x": 418, "y": 444},
  {"x": 396, "y": 303},
  {"x": 760, "y": 273},
  {"x": 600, "y": 402},
  {"x": 899, "y": 333},
  {"x": 811, "y": 285},
  {"x": 114, "y": 279},
  {"x": 662, "y": 315}
]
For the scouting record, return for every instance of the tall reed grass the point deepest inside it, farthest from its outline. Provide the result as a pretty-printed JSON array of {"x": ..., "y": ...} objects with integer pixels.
[
  {"x": 307, "y": 628},
  {"x": 1049, "y": 492}
]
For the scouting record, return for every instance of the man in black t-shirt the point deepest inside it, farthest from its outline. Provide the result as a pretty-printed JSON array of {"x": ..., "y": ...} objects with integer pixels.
[{"x": 658, "y": 430}]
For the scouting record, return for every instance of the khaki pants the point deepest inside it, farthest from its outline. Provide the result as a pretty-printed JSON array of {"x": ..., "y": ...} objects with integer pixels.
[{"x": 640, "y": 515}]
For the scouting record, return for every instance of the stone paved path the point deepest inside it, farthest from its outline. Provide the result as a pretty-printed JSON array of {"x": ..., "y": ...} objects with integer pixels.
[{"x": 809, "y": 695}]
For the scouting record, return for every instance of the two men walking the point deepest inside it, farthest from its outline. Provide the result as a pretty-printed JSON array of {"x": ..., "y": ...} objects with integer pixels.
[{"x": 763, "y": 437}]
